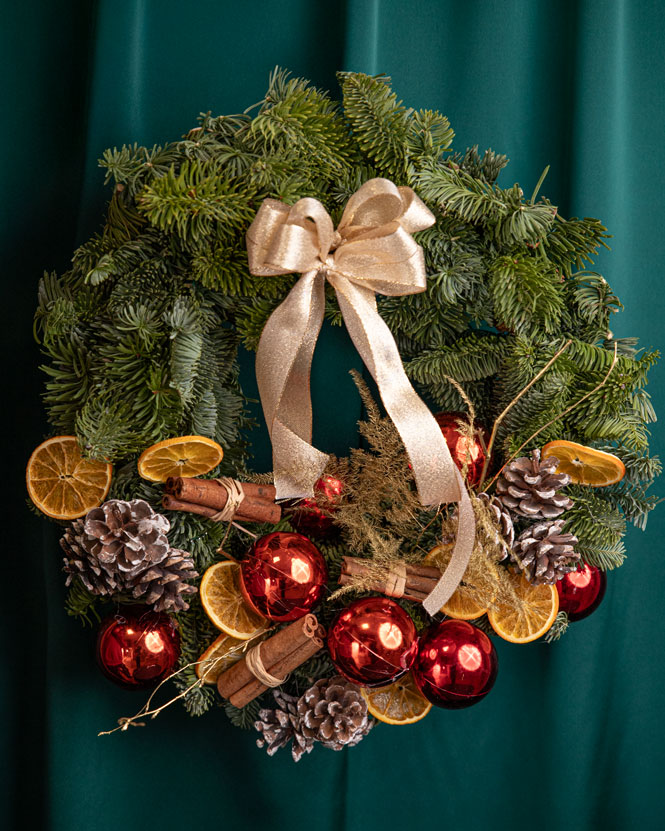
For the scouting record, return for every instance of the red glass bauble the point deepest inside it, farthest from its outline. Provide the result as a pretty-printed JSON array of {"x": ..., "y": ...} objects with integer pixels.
[
  {"x": 283, "y": 576},
  {"x": 137, "y": 648},
  {"x": 464, "y": 451},
  {"x": 311, "y": 516},
  {"x": 456, "y": 665},
  {"x": 373, "y": 641},
  {"x": 581, "y": 591}
]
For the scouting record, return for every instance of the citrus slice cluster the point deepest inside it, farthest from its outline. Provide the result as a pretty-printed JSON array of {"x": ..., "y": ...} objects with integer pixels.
[
  {"x": 223, "y": 602},
  {"x": 61, "y": 483},
  {"x": 179, "y": 456},
  {"x": 585, "y": 465},
  {"x": 397, "y": 703},
  {"x": 529, "y": 620}
]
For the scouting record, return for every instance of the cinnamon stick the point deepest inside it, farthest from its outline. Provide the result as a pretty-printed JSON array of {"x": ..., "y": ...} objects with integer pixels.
[
  {"x": 208, "y": 493},
  {"x": 420, "y": 580},
  {"x": 281, "y": 654}
]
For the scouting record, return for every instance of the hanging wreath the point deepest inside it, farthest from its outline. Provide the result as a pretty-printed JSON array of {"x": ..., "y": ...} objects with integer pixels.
[{"x": 331, "y": 593}]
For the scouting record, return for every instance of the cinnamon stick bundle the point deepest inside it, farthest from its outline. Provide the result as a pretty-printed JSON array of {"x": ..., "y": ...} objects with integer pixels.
[
  {"x": 418, "y": 581},
  {"x": 206, "y": 497},
  {"x": 279, "y": 655}
]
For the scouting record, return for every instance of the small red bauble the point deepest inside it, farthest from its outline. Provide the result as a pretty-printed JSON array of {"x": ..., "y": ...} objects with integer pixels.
[
  {"x": 581, "y": 591},
  {"x": 312, "y": 516},
  {"x": 283, "y": 576},
  {"x": 373, "y": 641},
  {"x": 464, "y": 451},
  {"x": 456, "y": 665},
  {"x": 137, "y": 648}
]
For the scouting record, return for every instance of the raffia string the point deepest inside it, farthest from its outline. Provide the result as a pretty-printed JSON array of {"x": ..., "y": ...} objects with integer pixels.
[
  {"x": 396, "y": 580},
  {"x": 235, "y": 495},
  {"x": 258, "y": 670}
]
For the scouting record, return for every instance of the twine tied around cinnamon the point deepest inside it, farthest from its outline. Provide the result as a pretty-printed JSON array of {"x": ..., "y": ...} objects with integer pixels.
[
  {"x": 256, "y": 667},
  {"x": 235, "y": 496}
]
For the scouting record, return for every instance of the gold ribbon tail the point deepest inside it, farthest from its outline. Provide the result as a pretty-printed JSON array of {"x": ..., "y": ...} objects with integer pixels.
[
  {"x": 466, "y": 537},
  {"x": 433, "y": 467},
  {"x": 283, "y": 366}
]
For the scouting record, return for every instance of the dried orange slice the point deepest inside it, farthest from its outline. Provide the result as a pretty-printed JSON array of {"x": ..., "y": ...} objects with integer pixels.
[
  {"x": 539, "y": 608},
  {"x": 223, "y": 602},
  {"x": 398, "y": 703},
  {"x": 220, "y": 655},
  {"x": 180, "y": 456},
  {"x": 585, "y": 465},
  {"x": 464, "y": 603},
  {"x": 63, "y": 484}
]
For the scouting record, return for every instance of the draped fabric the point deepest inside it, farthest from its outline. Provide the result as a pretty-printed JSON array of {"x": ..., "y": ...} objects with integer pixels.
[{"x": 572, "y": 735}]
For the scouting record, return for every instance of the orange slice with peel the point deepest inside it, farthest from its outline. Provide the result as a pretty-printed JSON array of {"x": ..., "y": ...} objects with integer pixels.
[
  {"x": 224, "y": 604},
  {"x": 398, "y": 703},
  {"x": 180, "y": 456},
  {"x": 219, "y": 656},
  {"x": 585, "y": 465},
  {"x": 464, "y": 603},
  {"x": 529, "y": 620},
  {"x": 63, "y": 484}
]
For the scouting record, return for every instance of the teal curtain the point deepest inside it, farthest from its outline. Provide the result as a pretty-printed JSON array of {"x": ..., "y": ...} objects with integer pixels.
[{"x": 572, "y": 735}]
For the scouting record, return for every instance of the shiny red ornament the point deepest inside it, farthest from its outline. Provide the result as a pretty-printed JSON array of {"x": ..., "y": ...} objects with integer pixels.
[
  {"x": 311, "y": 516},
  {"x": 464, "y": 451},
  {"x": 283, "y": 576},
  {"x": 581, "y": 591},
  {"x": 373, "y": 641},
  {"x": 137, "y": 648},
  {"x": 456, "y": 665}
]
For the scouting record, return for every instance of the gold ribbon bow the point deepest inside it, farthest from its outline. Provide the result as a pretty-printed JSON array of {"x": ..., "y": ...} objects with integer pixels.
[{"x": 371, "y": 251}]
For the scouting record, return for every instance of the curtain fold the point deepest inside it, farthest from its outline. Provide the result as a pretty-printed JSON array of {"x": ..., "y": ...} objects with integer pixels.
[{"x": 571, "y": 736}]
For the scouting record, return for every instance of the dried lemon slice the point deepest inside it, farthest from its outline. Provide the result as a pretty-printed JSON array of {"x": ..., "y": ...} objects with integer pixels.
[
  {"x": 397, "y": 703},
  {"x": 224, "y": 604},
  {"x": 63, "y": 484},
  {"x": 180, "y": 456},
  {"x": 532, "y": 618}
]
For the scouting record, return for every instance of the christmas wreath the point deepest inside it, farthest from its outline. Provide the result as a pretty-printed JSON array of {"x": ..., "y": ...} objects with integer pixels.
[{"x": 331, "y": 593}]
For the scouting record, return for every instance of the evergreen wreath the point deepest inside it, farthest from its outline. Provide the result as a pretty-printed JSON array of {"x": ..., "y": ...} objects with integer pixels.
[{"x": 510, "y": 343}]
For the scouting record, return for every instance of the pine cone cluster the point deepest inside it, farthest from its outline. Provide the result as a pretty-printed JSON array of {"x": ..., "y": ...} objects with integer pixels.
[
  {"x": 332, "y": 711},
  {"x": 530, "y": 487},
  {"x": 122, "y": 547},
  {"x": 545, "y": 553}
]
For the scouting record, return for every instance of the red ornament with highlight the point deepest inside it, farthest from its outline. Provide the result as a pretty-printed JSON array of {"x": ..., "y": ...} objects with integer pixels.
[
  {"x": 311, "y": 516},
  {"x": 137, "y": 648},
  {"x": 283, "y": 576},
  {"x": 373, "y": 641},
  {"x": 456, "y": 665},
  {"x": 581, "y": 591},
  {"x": 464, "y": 451}
]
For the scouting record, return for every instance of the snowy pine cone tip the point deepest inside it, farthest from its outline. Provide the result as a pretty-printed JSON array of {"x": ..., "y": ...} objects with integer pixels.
[
  {"x": 122, "y": 547},
  {"x": 530, "y": 487},
  {"x": 545, "y": 553}
]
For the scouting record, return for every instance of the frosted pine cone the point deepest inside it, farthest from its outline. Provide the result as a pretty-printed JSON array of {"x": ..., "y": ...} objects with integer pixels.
[
  {"x": 282, "y": 725},
  {"x": 545, "y": 553},
  {"x": 334, "y": 712},
  {"x": 122, "y": 547},
  {"x": 504, "y": 536},
  {"x": 530, "y": 487}
]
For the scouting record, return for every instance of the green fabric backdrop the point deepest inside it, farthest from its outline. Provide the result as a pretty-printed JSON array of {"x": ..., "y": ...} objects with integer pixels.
[{"x": 572, "y": 736}]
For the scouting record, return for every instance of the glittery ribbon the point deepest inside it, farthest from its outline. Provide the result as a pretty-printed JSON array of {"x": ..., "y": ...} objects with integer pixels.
[{"x": 371, "y": 251}]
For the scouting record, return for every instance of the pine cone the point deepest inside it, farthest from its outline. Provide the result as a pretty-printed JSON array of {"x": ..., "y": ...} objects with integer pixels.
[
  {"x": 282, "y": 725},
  {"x": 123, "y": 547},
  {"x": 333, "y": 712},
  {"x": 504, "y": 536},
  {"x": 530, "y": 487},
  {"x": 544, "y": 553}
]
